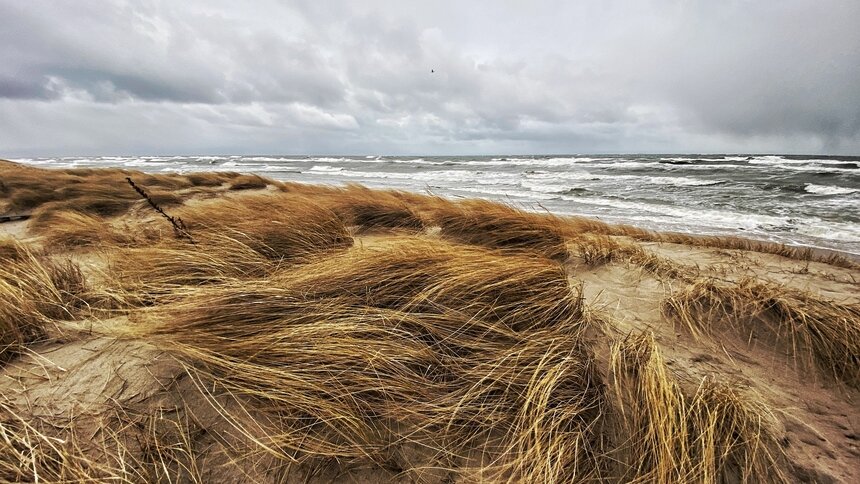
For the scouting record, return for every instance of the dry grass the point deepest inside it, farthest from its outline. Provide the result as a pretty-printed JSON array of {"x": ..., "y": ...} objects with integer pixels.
[
  {"x": 236, "y": 239},
  {"x": 598, "y": 249},
  {"x": 519, "y": 293},
  {"x": 95, "y": 192},
  {"x": 812, "y": 329},
  {"x": 210, "y": 179},
  {"x": 468, "y": 357},
  {"x": 279, "y": 227},
  {"x": 248, "y": 182},
  {"x": 498, "y": 226},
  {"x": 374, "y": 209},
  {"x": 11, "y": 250},
  {"x": 580, "y": 225},
  {"x": 68, "y": 230},
  {"x": 144, "y": 275},
  {"x": 737, "y": 243},
  {"x": 594, "y": 249},
  {"x": 713, "y": 434},
  {"x": 27, "y": 454},
  {"x": 154, "y": 447},
  {"x": 361, "y": 384},
  {"x": 35, "y": 291},
  {"x": 366, "y": 354}
]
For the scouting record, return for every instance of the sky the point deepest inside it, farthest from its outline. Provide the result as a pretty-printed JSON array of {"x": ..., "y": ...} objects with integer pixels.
[{"x": 428, "y": 78}]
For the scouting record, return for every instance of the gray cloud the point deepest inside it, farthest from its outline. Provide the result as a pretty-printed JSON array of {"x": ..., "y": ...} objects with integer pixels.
[{"x": 190, "y": 77}]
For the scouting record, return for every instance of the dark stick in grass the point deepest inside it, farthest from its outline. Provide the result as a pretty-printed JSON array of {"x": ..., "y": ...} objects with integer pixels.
[{"x": 178, "y": 227}]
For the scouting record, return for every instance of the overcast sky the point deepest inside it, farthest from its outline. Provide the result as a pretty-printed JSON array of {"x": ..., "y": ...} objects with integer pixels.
[{"x": 326, "y": 77}]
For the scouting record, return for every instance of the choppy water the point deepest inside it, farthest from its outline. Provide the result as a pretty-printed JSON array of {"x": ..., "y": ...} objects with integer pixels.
[{"x": 811, "y": 201}]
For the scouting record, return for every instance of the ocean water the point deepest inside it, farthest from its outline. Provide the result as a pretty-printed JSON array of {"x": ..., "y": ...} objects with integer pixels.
[{"x": 798, "y": 200}]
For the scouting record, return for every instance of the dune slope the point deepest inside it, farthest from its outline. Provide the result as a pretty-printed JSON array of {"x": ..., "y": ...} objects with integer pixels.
[{"x": 278, "y": 332}]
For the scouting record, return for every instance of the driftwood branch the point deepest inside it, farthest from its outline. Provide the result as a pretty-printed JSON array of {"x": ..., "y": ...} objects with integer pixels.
[
  {"x": 178, "y": 227},
  {"x": 13, "y": 218}
]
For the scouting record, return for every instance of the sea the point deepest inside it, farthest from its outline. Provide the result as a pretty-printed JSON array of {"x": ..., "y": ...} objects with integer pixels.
[{"x": 798, "y": 200}]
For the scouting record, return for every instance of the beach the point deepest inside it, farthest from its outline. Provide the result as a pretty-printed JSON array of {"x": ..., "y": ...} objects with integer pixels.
[{"x": 216, "y": 325}]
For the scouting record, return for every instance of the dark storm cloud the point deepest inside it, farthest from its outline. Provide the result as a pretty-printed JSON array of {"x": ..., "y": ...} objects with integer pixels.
[
  {"x": 786, "y": 68},
  {"x": 20, "y": 87},
  {"x": 159, "y": 76}
]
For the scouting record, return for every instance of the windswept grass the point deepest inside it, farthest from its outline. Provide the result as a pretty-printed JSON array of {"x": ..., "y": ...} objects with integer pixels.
[
  {"x": 598, "y": 249},
  {"x": 712, "y": 434},
  {"x": 145, "y": 275},
  {"x": 736, "y": 243},
  {"x": 210, "y": 179},
  {"x": 580, "y": 225},
  {"x": 154, "y": 447},
  {"x": 498, "y": 226},
  {"x": 34, "y": 292},
  {"x": 235, "y": 239},
  {"x": 248, "y": 182},
  {"x": 11, "y": 250},
  {"x": 594, "y": 249},
  {"x": 352, "y": 383},
  {"x": 374, "y": 209},
  {"x": 419, "y": 275},
  {"x": 285, "y": 228},
  {"x": 810, "y": 328},
  {"x": 68, "y": 230},
  {"x": 95, "y": 192},
  {"x": 441, "y": 347},
  {"x": 288, "y": 354}
]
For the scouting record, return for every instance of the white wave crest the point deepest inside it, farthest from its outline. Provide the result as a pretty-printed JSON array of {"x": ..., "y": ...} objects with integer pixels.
[
  {"x": 828, "y": 189},
  {"x": 327, "y": 169}
]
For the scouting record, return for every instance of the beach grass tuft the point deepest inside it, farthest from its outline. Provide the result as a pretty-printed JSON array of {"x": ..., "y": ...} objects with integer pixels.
[
  {"x": 36, "y": 291},
  {"x": 497, "y": 226},
  {"x": 813, "y": 330},
  {"x": 711, "y": 433}
]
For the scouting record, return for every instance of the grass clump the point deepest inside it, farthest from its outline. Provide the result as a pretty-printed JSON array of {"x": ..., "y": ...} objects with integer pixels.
[
  {"x": 816, "y": 331},
  {"x": 248, "y": 182},
  {"x": 420, "y": 275},
  {"x": 416, "y": 348},
  {"x": 712, "y": 434},
  {"x": 284, "y": 228},
  {"x": 95, "y": 192},
  {"x": 25, "y": 199},
  {"x": 148, "y": 274},
  {"x": 34, "y": 292},
  {"x": 11, "y": 250},
  {"x": 594, "y": 249},
  {"x": 375, "y": 209},
  {"x": 70, "y": 229},
  {"x": 210, "y": 179},
  {"x": 497, "y": 226},
  {"x": 597, "y": 249},
  {"x": 235, "y": 238},
  {"x": 360, "y": 384}
]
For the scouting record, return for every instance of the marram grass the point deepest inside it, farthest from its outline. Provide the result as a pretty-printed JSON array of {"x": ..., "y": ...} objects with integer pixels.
[{"x": 459, "y": 350}]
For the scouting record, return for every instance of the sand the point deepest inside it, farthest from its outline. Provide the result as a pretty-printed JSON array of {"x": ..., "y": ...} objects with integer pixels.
[{"x": 92, "y": 379}]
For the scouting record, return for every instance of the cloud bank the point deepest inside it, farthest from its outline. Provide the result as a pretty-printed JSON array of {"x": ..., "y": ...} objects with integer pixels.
[{"x": 161, "y": 77}]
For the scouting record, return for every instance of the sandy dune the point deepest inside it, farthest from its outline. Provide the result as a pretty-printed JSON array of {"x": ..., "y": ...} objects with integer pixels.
[{"x": 320, "y": 334}]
